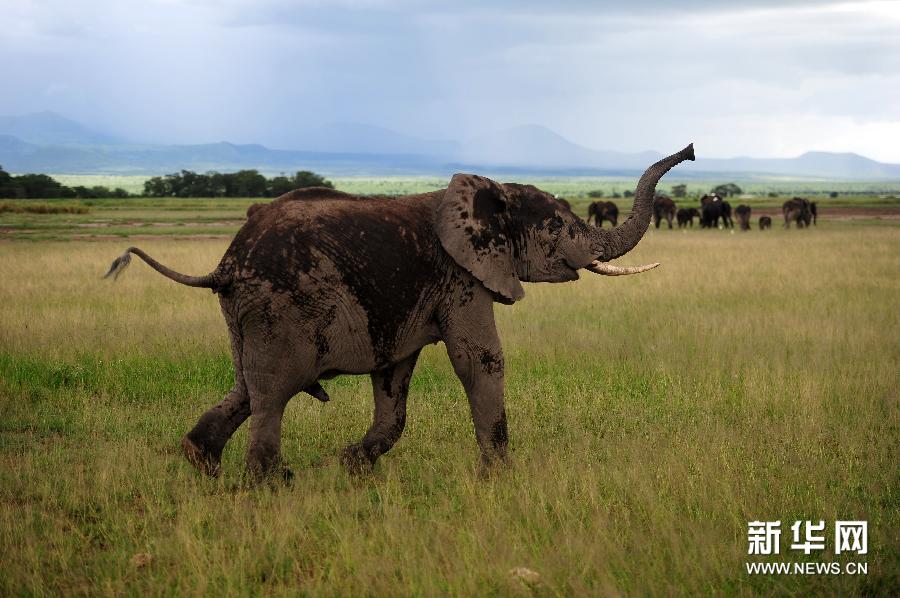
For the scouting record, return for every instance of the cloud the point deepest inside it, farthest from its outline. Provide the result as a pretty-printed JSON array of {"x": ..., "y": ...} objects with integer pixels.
[{"x": 755, "y": 78}]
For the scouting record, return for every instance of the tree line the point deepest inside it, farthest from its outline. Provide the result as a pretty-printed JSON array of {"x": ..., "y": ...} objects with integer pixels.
[
  {"x": 41, "y": 186},
  {"x": 244, "y": 183}
]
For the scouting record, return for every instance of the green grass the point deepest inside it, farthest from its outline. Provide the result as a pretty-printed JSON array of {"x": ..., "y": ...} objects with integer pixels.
[
  {"x": 752, "y": 376},
  {"x": 574, "y": 186},
  {"x": 182, "y": 217}
]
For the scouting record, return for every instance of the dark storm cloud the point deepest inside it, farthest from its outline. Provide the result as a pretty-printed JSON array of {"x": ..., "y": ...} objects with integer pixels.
[{"x": 759, "y": 77}]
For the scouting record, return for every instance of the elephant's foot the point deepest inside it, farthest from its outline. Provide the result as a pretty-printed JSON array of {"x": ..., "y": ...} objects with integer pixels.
[
  {"x": 493, "y": 465},
  {"x": 274, "y": 475},
  {"x": 203, "y": 459},
  {"x": 356, "y": 460}
]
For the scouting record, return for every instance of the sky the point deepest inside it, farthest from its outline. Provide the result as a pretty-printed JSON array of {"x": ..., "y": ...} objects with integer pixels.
[{"x": 744, "y": 78}]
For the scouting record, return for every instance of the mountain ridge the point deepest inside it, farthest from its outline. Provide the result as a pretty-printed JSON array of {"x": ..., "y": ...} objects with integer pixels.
[{"x": 48, "y": 142}]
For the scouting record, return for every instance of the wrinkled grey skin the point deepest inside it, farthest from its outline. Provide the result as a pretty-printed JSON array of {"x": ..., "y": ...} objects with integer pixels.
[{"x": 320, "y": 283}]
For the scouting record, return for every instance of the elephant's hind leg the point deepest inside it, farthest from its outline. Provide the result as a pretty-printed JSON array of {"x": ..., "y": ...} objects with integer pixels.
[
  {"x": 390, "y": 388},
  {"x": 203, "y": 445},
  {"x": 269, "y": 395}
]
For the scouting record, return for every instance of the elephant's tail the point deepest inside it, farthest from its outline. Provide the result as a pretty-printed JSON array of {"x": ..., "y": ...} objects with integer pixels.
[{"x": 215, "y": 280}]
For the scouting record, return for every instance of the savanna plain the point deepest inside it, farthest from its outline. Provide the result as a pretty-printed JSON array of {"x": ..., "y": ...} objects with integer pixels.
[{"x": 753, "y": 376}]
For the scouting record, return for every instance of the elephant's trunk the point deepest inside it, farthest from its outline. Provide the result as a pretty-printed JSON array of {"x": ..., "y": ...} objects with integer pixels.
[{"x": 610, "y": 244}]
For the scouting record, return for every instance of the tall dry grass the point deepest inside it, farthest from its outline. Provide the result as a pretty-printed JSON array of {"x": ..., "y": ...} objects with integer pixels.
[{"x": 752, "y": 376}]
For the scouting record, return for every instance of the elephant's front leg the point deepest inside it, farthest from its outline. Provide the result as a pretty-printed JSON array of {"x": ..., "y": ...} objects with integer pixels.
[
  {"x": 390, "y": 388},
  {"x": 477, "y": 357}
]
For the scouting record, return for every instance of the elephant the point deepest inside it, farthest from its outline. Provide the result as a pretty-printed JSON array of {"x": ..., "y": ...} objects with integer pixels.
[
  {"x": 320, "y": 283},
  {"x": 603, "y": 210},
  {"x": 712, "y": 208},
  {"x": 799, "y": 210},
  {"x": 765, "y": 222},
  {"x": 663, "y": 207},
  {"x": 743, "y": 216},
  {"x": 686, "y": 216}
]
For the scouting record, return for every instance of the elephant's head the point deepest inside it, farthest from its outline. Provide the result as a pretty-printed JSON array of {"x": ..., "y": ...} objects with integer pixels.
[{"x": 507, "y": 233}]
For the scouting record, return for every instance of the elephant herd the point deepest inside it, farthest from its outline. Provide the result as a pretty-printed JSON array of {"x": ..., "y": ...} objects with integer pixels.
[{"x": 713, "y": 210}]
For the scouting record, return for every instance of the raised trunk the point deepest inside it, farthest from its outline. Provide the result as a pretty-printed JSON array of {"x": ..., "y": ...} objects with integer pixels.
[{"x": 610, "y": 244}]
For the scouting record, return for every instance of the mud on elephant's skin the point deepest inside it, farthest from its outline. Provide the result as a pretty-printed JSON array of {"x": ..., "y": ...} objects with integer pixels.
[{"x": 320, "y": 283}]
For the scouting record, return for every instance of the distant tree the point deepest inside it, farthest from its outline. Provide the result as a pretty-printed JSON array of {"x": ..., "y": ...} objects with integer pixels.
[
  {"x": 246, "y": 183},
  {"x": 595, "y": 194},
  {"x": 8, "y": 189},
  {"x": 218, "y": 186},
  {"x": 279, "y": 186},
  {"x": 616, "y": 195},
  {"x": 833, "y": 194},
  {"x": 628, "y": 193},
  {"x": 679, "y": 190},
  {"x": 41, "y": 186},
  {"x": 156, "y": 187},
  {"x": 305, "y": 178},
  {"x": 727, "y": 190},
  {"x": 773, "y": 194}
]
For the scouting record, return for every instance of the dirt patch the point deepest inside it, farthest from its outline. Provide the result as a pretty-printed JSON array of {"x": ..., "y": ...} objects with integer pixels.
[
  {"x": 148, "y": 237},
  {"x": 144, "y": 224},
  {"x": 827, "y": 213}
]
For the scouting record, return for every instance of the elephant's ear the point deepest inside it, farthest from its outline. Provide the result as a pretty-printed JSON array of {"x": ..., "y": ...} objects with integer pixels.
[{"x": 470, "y": 221}]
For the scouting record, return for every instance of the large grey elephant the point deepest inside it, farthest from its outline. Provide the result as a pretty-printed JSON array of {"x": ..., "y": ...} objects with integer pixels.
[{"x": 320, "y": 283}]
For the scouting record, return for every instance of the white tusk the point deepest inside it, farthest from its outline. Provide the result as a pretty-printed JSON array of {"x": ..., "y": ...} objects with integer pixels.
[{"x": 610, "y": 270}]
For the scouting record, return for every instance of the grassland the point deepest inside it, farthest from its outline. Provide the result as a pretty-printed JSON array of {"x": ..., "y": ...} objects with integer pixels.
[
  {"x": 572, "y": 186},
  {"x": 752, "y": 376},
  {"x": 221, "y": 217}
]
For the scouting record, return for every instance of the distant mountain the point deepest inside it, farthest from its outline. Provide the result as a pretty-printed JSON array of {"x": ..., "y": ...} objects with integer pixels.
[
  {"x": 18, "y": 156},
  {"x": 367, "y": 139},
  {"x": 534, "y": 146},
  {"x": 811, "y": 164},
  {"x": 49, "y": 128},
  {"x": 47, "y": 142}
]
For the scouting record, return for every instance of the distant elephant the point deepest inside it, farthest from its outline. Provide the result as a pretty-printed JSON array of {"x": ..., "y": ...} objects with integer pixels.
[
  {"x": 742, "y": 212},
  {"x": 713, "y": 207},
  {"x": 799, "y": 210},
  {"x": 319, "y": 283},
  {"x": 603, "y": 210},
  {"x": 663, "y": 207},
  {"x": 765, "y": 222},
  {"x": 686, "y": 216}
]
